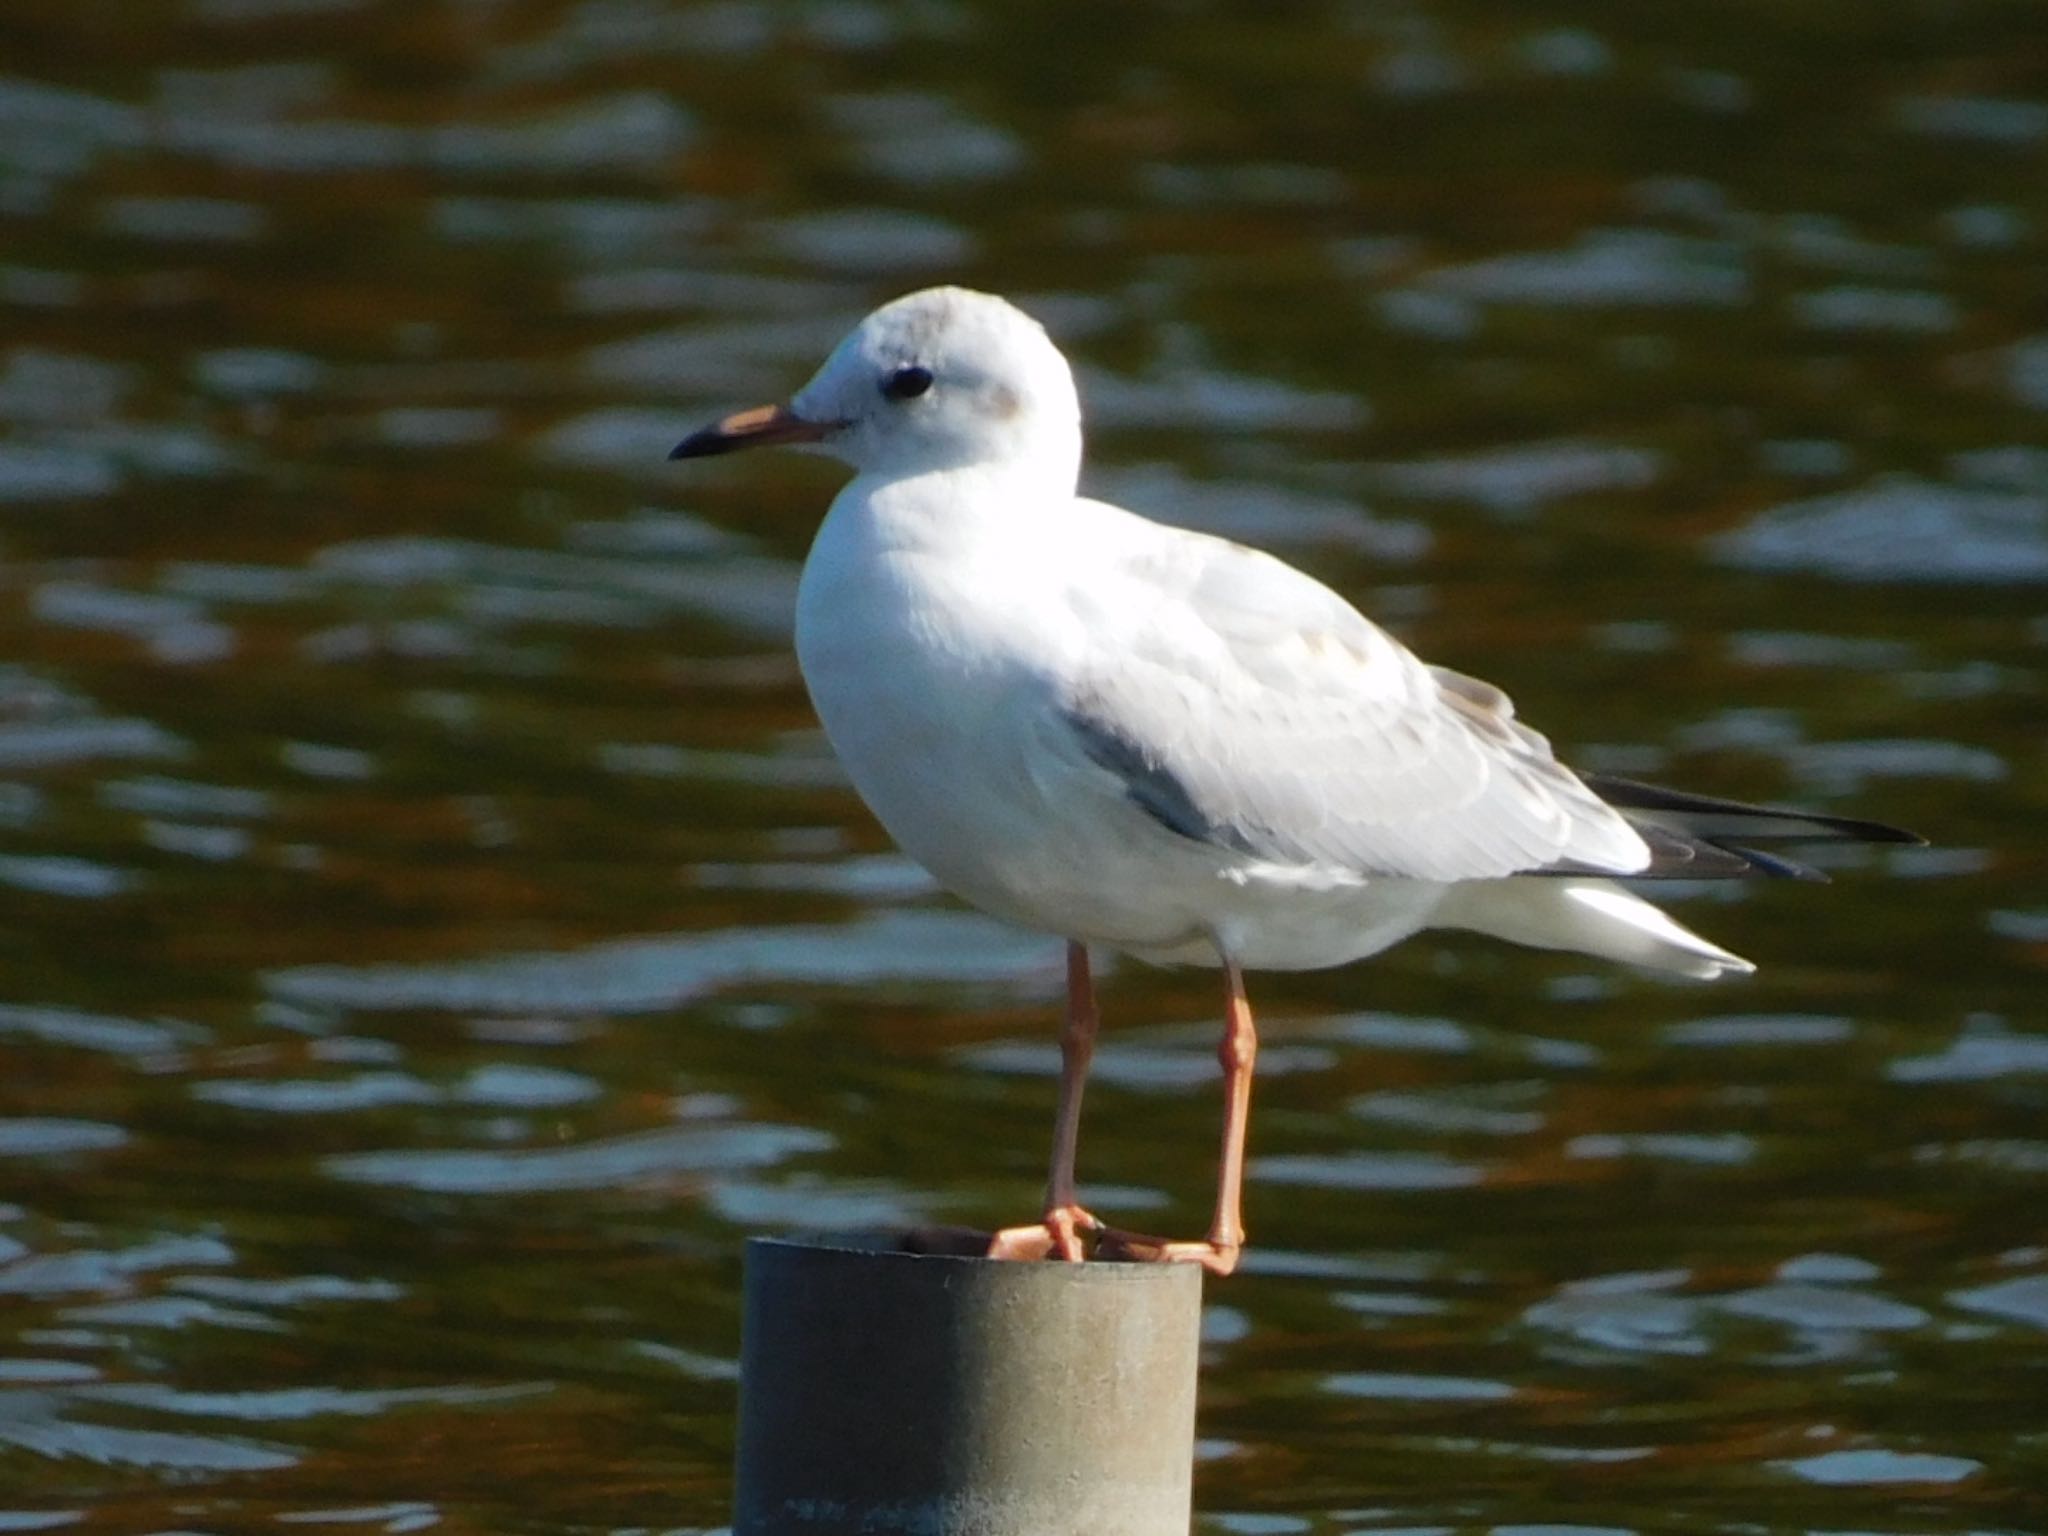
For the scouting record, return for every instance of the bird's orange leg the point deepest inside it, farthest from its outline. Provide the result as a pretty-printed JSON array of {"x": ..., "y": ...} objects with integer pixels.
[
  {"x": 1064, "y": 1221},
  {"x": 1237, "y": 1052}
]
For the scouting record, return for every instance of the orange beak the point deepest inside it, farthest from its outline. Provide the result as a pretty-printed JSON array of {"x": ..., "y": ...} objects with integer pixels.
[{"x": 763, "y": 425}]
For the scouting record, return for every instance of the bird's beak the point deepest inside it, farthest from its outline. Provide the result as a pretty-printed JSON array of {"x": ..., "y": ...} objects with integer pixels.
[{"x": 764, "y": 424}]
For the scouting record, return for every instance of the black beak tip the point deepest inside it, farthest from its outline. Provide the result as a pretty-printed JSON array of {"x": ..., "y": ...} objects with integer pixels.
[{"x": 700, "y": 445}]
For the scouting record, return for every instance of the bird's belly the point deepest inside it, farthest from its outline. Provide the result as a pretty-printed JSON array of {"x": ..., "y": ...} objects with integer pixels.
[
  {"x": 1284, "y": 926},
  {"x": 1152, "y": 894}
]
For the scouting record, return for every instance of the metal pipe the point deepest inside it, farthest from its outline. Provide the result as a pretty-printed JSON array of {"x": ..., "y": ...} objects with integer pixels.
[{"x": 884, "y": 1391}]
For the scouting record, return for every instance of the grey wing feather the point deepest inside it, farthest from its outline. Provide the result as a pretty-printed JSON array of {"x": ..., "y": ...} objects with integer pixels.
[
  {"x": 1252, "y": 708},
  {"x": 1151, "y": 785}
]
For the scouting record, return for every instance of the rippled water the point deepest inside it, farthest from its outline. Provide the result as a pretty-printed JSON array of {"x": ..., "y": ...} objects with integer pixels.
[{"x": 433, "y": 933}]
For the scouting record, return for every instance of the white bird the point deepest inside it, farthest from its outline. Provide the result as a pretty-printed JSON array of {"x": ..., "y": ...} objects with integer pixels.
[{"x": 1152, "y": 740}]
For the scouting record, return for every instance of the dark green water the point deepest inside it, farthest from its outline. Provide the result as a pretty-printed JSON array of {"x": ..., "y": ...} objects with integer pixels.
[{"x": 433, "y": 934}]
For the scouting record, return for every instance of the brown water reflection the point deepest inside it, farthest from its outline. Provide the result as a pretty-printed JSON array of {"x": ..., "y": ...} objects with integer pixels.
[{"x": 433, "y": 933}]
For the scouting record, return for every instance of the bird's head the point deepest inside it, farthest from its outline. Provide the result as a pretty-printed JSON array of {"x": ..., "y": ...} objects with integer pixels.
[{"x": 944, "y": 378}]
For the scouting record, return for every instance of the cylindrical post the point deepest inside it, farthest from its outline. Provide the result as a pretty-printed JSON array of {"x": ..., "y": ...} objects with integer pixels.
[{"x": 885, "y": 1392}]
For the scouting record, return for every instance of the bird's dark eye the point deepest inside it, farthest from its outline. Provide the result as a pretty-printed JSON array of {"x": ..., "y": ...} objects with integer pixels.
[{"x": 907, "y": 383}]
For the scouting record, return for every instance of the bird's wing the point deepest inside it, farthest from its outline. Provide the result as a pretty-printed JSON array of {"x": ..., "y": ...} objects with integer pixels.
[
  {"x": 1692, "y": 834},
  {"x": 1244, "y": 704}
]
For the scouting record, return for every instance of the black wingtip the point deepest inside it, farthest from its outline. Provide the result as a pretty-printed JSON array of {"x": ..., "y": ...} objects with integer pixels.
[
  {"x": 1695, "y": 814},
  {"x": 1776, "y": 865},
  {"x": 1882, "y": 832}
]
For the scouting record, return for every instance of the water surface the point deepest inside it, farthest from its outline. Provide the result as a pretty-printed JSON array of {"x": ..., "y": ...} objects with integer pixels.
[{"x": 433, "y": 933}]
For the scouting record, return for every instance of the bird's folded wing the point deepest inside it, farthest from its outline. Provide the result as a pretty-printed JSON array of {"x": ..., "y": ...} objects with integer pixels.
[{"x": 1244, "y": 704}]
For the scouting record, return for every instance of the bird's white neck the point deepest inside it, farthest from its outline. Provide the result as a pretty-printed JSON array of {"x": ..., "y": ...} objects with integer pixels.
[{"x": 984, "y": 503}]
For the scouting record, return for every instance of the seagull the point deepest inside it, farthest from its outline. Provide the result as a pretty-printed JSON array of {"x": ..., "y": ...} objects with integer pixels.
[{"x": 1153, "y": 741}]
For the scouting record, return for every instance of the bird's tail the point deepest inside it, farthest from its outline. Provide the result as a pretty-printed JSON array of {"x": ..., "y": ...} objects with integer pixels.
[{"x": 1592, "y": 917}]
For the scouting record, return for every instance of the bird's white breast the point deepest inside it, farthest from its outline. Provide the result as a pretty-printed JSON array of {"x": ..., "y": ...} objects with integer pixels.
[{"x": 930, "y": 680}]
